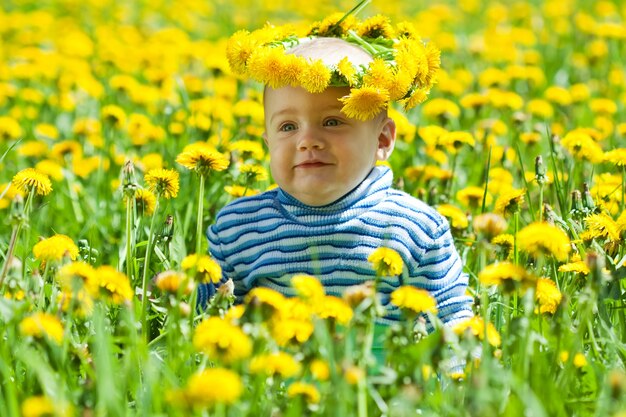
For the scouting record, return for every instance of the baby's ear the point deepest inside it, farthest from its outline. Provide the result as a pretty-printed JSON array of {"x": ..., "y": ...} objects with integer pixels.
[{"x": 386, "y": 139}]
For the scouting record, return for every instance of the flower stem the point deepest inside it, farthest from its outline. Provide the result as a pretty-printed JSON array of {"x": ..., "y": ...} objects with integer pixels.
[
  {"x": 200, "y": 217},
  {"x": 15, "y": 235},
  {"x": 129, "y": 240},
  {"x": 146, "y": 267}
]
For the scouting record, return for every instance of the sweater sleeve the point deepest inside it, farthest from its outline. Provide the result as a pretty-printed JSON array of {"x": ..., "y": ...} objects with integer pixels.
[
  {"x": 441, "y": 267},
  {"x": 206, "y": 291}
]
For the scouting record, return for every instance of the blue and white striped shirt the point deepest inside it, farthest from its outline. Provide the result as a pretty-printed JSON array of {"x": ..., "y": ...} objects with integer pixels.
[{"x": 264, "y": 240}]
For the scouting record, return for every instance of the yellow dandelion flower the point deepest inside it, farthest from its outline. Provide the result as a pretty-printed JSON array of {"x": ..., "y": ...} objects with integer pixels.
[
  {"x": 292, "y": 323},
  {"x": 219, "y": 339},
  {"x": 114, "y": 284},
  {"x": 547, "y": 295},
  {"x": 379, "y": 74},
  {"x": 347, "y": 71},
  {"x": 79, "y": 300},
  {"x": 46, "y": 130},
  {"x": 581, "y": 145},
  {"x": 386, "y": 262},
  {"x": 50, "y": 168},
  {"x": 319, "y": 369},
  {"x": 334, "y": 308},
  {"x": 577, "y": 266},
  {"x": 506, "y": 274},
  {"x": 114, "y": 115},
  {"x": 203, "y": 160},
  {"x": 542, "y": 238},
  {"x": 240, "y": 191},
  {"x": 31, "y": 179},
  {"x": 455, "y": 215},
  {"x": 248, "y": 149},
  {"x": 9, "y": 128},
  {"x": 476, "y": 326},
  {"x": 38, "y": 406},
  {"x": 375, "y": 27},
  {"x": 603, "y": 105},
  {"x": 33, "y": 148},
  {"x": 505, "y": 244},
  {"x": 579, "y": 360},
  {"x": 616, "y": 157},
  {"x": 510, "y": 201},
  {"x": 433, "y": 59},
  {"x": 365, "y": 103},
  {"x": 77, "y": 276},
  {"x": 238, "y": 50},
  {"x": 254, "y": 172},
  {"x": 212, "y": 386},
  {"x": 41, "y": 325},
  {"x": 441, "y": 107},
  {"x": 277, "y": 363},
  {"x": 287, "y": 330},
  {"x": 417, "y": 97},
  {"x": 55, "y": 248},
  {"x": 204, "y": 268},
  {"x": 414, "y": 299},
  {"x": 145, "y": 201},
  {"x": 266, "y": 296},
  {"x": 292, "y": 67},
  {"x": 406, "y": 30},
  {"x": 308, "y": 287},
  {"x": 315, "y": 77},
  {"x": 163, "y": 182},
  {"x": 400, "y": 85},
  {"x": 308, "y": 391},
  {"x": 602, "y": 226},
  {"x": 330, "y": 26},
  {"x": 267, "y": 65},
  {"x": 173, "y": 282},
  {"x": 472, "y": 197},
  {"x": 353, "y": 374}
]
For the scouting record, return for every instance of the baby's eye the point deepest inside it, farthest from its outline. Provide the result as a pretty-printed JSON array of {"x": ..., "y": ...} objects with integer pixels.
[
  {"x": 287, "y": 127},
  {"x": 332, "y": 122}
]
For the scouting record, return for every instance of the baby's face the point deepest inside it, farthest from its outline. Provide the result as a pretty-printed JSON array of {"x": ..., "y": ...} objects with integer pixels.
[{"x": 317, "y": 153}]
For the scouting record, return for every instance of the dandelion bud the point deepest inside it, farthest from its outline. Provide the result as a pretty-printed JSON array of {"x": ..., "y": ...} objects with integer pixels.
[
  {"x": 540, "y": 171},
  {"x": 617, "y": 382},
  {"x": 596, "y": 267},
  {"x": 227, "y": 289},
  {"x": 128, "y": 174},
  {"x": 577, "y": 202},
  {"x": 588, "y": 202},
  {"x": 167, "y": 231}
]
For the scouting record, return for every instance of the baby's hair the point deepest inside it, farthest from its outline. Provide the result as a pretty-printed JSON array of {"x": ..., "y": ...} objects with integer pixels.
[{"x": 331, "y": 51}]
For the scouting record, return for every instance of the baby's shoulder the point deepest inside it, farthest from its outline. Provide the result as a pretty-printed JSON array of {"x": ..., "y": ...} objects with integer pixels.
[
  {"x": 246, "y": 207},
  {"x": 401, "y": 204}
]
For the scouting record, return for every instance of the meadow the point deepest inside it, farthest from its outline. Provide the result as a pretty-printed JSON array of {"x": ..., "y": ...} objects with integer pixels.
[{"x": 106, "y": 109}]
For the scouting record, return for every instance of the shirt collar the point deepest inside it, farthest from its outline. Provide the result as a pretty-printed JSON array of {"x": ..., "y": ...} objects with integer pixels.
[{"x": 365, "y": 195}]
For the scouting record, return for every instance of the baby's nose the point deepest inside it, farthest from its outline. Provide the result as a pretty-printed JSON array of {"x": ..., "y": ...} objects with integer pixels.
[{"x": 310, "y": 139}]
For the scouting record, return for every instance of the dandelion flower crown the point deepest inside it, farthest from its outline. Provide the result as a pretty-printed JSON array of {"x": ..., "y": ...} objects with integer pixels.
[{"x": 402, "y": 67}]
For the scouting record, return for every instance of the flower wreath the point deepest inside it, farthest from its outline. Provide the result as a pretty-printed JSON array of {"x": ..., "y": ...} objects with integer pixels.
[{"x": 403, "y": 67}]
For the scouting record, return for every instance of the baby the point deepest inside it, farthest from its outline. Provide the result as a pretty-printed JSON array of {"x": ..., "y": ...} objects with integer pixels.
[{"x": 334, "y": 204}]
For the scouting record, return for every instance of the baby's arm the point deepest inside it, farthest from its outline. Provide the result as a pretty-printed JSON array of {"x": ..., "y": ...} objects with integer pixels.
[
  {"x": 441, "y": 269},
  {"x": 206, "y": 291}
]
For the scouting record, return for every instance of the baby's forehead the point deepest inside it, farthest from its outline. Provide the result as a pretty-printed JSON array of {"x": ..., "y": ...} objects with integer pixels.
[{"x": 331, "y": 51}]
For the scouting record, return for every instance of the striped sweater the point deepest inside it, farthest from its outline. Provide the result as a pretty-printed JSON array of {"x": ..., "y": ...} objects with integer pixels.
[{"x": 264, "y": 240}]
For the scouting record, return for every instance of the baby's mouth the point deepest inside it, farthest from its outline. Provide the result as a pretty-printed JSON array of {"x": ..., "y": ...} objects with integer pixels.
[{"x": 311, "y": 163}]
